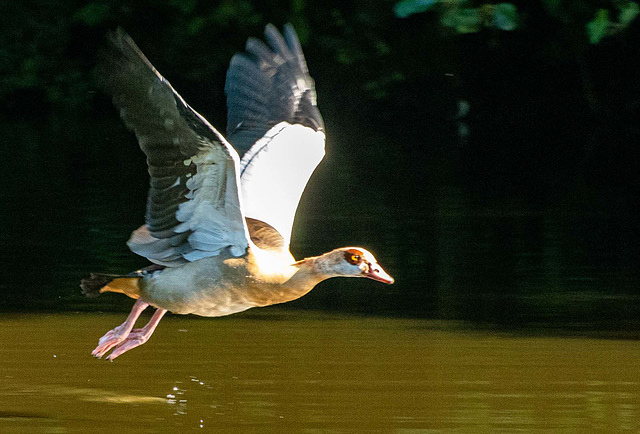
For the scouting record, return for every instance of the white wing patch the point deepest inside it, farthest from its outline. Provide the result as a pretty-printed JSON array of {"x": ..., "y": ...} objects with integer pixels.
[{"x": 275, "y": 171}]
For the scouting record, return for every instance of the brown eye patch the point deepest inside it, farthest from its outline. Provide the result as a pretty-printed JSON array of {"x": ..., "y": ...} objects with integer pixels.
[{"x": 353, "y": 256}]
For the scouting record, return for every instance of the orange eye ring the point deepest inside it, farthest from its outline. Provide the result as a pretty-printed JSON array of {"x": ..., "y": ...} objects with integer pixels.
[{"x": 353, "y": 256}]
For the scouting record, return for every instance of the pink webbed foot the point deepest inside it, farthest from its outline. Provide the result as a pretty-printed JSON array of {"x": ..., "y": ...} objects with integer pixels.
[
  {"x": 138, "y": 337},
  {"x": 120, "y": 333},
  {"x": 110, "y": 340},
  {"x": 123, "y": 338}
]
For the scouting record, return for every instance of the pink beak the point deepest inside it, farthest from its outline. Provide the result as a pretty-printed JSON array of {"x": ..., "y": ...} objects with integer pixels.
[{"x": 377, "y": 273}]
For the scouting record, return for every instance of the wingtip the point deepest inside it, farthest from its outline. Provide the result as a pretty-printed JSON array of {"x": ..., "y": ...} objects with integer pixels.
[
  {"x": 290, "y": 33},
  {"x": 273, "y": 36},
  {"x": 117, "y": 40},
  {"x": 288, "y": 28},
  {"x": 117, "y": 37},
  {"x": 270, "y": 28},
  {"x": 120, "y": 32}
]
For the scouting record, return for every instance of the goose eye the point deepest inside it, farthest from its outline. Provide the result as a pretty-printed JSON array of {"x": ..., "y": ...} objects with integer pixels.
[{"x": 354, "y": 257}]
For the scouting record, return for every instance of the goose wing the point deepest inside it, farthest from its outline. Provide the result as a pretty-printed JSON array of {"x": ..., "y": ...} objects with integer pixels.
[
  {"x": 274, "y": 123},
  {"x": 193, "y": 208}
]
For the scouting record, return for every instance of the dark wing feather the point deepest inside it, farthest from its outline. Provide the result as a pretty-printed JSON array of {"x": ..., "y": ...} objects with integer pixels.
[
  {"x": 181, "y": 149},
  {"x": 268, "y": 85}
]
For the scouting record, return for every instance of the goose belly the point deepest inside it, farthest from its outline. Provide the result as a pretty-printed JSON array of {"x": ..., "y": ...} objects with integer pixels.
[
  {"x": 200, "y": 288},
  {"x": 204, "y": 300},
  {"x": 223, "y": 303}
]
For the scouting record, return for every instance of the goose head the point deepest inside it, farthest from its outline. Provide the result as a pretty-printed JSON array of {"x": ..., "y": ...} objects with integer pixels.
[{"x": 351, "y": 262}]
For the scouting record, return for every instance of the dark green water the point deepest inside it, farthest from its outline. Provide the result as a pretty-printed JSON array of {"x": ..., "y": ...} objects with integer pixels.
[{"x": 284, "y": 371}]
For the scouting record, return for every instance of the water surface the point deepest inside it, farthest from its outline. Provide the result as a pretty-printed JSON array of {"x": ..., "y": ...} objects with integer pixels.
[{"x": 278, "y": 370}]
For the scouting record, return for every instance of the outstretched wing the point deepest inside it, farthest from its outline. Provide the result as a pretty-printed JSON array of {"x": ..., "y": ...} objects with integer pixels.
[
  {"x": 274, "y": 123},
  {"x": 193, "y": 208}
]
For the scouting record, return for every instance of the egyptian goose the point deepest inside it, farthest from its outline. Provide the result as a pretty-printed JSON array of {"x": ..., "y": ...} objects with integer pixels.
[{"x": 218, "y": 227}]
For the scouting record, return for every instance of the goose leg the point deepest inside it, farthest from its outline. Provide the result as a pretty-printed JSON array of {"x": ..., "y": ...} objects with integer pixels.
[
  {"x": 138, "y": 337},
  {"x": 120, "y": 333}
]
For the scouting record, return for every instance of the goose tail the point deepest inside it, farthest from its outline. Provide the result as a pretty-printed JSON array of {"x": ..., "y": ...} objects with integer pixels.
[
  {"x": 127, "y": 284},
  {"x": 97, "y": 283}
]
